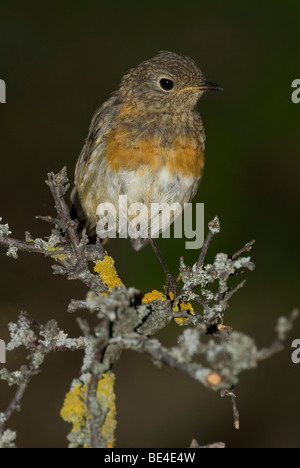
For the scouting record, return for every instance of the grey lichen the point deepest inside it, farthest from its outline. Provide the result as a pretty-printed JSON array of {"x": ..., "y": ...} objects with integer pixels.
[
  {"x": 214, "y": 226},
  {"x": 12, "y": 378},
  {"x": 4, "y": 229},
  {"x": 231, "y": 357},
  {"x": 285, "y": 325},
  {"x": 7, "y": 439},
  {"x": 41, "y": 244},
  {"x": 202, "y": 277},
  {"x": 46, "y": 339},
  {"x": 54, "y": 241},
  {"x": 207, "y": 350},
  {"x": 12, "y": 252},
  {"x": 21, "y": 334}
]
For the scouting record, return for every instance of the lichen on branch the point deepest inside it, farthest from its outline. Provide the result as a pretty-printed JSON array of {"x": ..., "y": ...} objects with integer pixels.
[{"x": 125, "y": 318}]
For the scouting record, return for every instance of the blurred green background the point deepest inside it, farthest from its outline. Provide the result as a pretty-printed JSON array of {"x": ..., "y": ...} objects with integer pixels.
[{"x": 60, "y": 61}]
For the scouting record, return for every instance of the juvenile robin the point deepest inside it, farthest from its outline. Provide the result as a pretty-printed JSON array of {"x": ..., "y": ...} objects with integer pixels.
[{"x": 147, "y": 141}]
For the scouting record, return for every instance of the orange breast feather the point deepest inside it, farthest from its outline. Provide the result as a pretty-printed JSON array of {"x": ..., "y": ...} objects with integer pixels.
[{"x": 123, "y": 152}]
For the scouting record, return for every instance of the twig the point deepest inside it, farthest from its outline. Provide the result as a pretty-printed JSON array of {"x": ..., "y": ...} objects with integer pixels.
[
  {"x": 284, "y": 325},
  {"x": 161, "y": 354},
  {"x": 214, "y": 228},
  {"x": 76, "y": 305},
  {"x": 27, "y": 373},
  {"x": 47, "y": 219},
  {"x": 124, "y": 320},
  {"x": 229, "y": 294},
  {"x": 236, "y": 414},
  {"x": 171, "y": 283},
  {"x": 26, "y": 246},
  {"x": 94, "y": 409},
  {"x": 51, "y": 340},
  {"x": 246, "y": 248},
  {"x": 58, "y": 185},
  {"x": 94, "y": 423},
  {"x": 159, "y": 256},
  {"x": 201, "y": 301},
  {"x": 16, "y": 401},
  {"x": 185, "y": 315},
  {"x": 215, "y": 445}
]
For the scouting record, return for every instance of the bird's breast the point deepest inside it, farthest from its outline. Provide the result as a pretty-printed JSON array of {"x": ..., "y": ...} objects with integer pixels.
[{"x": 137, "y": 145}]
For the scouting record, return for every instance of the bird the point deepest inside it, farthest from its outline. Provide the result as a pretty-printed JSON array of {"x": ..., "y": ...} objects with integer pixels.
[{"x": 146, "y": 141}]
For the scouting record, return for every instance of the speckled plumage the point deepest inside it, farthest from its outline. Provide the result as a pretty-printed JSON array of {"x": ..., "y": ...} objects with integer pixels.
[{"x": 145, "y": 142}]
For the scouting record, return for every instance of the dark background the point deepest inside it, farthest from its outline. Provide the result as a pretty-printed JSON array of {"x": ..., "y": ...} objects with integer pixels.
[{"x": 60, "y": 61}]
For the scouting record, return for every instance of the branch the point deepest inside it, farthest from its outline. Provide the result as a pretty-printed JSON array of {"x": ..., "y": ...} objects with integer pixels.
[
  {"x": 124, "y": 318},
  {"x": 216, "y": 445},
  {"x": 221, "y": 271},
  {"x": 231, "y": 293},
  {"x": 283, "y": 327},
  {"x": 58, "y": 185},
  {"x": 94, "y": 408},
  {"x": 27, "y": 374},
  {"x": 26, "y": 246},
  {"x": 246, "y": 248},
  {"x": 51, "y": 339},
  {"x": 236, "y": 414},
  {"x": 172, "y": 357},
  {"x": 71, "y": 254},
  {"x": 214, "y": 228},
  {"x": 76, "y": 305}
]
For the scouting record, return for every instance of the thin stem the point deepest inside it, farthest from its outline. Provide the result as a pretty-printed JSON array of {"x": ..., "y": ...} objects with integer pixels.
[
  {"x": 233, "y": 291},
  {"x": 28, "y": 246},
  {"x": 17, "y": 398},
  {"x": 246, "y": 248},
  {"x": 57, "y": 184},
  {"x": 278, "y": 345},
  {"x": 214, "y": 228},
  {"x": 92, "y": 401},
  {"x": 160, "y": 257},
  {"x": 235, "y": 411}
]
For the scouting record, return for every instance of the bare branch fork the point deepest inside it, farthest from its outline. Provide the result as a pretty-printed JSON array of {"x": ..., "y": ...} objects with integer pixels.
[
  {"x": 236, "y": 414},
  {"x": 51, "y": 340},
  {"x": 127, "y": 319}
]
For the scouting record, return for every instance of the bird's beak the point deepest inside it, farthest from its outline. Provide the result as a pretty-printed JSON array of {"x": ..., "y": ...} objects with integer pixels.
[
  {"x": 205, "y": 86},
  {"x": 209, "y": 86}
]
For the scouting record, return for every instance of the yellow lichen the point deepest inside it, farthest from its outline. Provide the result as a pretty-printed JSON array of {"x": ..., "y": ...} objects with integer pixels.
[
  {"x": 107, "y": 400},
  {"x": 74, "y": 409},
  {"x": 154, "y": 296},
  {"x": 183, "y": 306},
  {"x": 51, "y": 249},
  {"x": 56, "y": 257},
  {"x": 107, "y": 272},
  {"x": 178, "y": 307}
]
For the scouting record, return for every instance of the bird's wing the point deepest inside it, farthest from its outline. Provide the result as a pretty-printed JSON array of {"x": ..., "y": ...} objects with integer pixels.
[{"x": 100, "y": 126}]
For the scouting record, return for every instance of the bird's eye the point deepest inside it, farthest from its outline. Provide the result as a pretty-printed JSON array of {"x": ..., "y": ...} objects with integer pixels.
[{"x": 166, "y": 84}]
